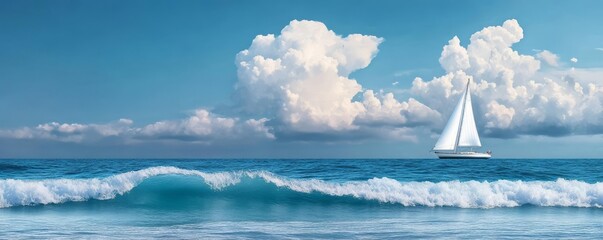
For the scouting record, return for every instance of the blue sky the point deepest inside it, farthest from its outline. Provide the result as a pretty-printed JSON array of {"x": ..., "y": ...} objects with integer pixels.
[{"x": 94, "y": 63}]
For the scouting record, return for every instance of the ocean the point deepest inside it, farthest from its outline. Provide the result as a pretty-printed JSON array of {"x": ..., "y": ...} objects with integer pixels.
[{"x": 301, "y": 198}]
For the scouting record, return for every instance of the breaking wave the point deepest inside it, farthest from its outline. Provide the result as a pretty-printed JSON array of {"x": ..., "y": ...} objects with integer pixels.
[{"x": 463, "y": 194}]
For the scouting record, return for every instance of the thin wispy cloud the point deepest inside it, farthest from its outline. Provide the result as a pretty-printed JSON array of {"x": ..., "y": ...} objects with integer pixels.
[{"x": 411, "y": 72}]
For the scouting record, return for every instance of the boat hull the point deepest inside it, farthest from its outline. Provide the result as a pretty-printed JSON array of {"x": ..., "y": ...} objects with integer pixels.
[{"x": 463, "y": 155}]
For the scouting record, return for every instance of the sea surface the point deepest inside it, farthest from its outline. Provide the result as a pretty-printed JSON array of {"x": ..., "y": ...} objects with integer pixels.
[{"x": 301, "y": 198}]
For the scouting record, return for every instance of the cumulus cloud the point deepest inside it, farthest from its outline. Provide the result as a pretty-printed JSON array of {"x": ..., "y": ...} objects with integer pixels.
[
  {"x": 297, "y": 86},
  {"x": 202, "y": 126},
  {"x": 303, "y": 73},
  {"x": 386, "y": 110},
  {"x": 206, "y": 126},
  {"x": 71, "y": 132},
  {"x": 302, "y": 77},
  {"x": 549, "y": 58},
  {"x": 298, "y": 83},
  {"x": 574, "y": 60},
  {"x": 511, "y": 91},
  {"x": 499, "y": 116},
  {"x": 454, "y": 57}
]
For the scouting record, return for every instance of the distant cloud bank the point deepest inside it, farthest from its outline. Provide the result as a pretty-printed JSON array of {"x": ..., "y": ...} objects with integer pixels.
[{"x": 297, "y": 85}]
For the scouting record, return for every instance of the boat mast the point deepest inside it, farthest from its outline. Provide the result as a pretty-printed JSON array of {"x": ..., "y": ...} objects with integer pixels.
[{"x": 458, "y": 133}]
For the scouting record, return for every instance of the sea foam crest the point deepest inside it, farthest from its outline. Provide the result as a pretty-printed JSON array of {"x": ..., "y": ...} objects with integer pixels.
[{"x": 464, "y": 194}]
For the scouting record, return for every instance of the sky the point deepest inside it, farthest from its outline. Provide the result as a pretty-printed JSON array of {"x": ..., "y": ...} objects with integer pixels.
[{"x": 308, "y": 79}]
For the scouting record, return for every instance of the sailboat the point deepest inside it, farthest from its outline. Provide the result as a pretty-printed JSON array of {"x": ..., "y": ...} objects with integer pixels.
[{"x": 460, "y": 134}]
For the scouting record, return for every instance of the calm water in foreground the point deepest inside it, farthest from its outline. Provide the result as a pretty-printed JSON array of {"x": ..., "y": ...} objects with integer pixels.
[{"x": 276, "y": 199}]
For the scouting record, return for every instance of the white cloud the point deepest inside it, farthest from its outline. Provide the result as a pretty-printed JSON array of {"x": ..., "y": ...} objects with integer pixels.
[
  {"x": 205, "y": 126},
  {"x": 410, "y": 72},
  {"x": 548, "y": 57},
  {"x": 258, "y": 127},
  {"x": 202, "y": 126},
  {"x": 574, "y": 60},
  {"x": 395, "y": 83},
  {"x": 454, "y": 57},
  {"x": 302, "y": 77},
  {"x": 71, "y": 132},
  {"x": 600, "y": 49},
  {"x": 514, "y": 96},
  {"x": 499, "y": 116},
  {"x": 303, "y": 74},
  {"x": 386, "y": 110},
  {"x": 298, "y": 85}
]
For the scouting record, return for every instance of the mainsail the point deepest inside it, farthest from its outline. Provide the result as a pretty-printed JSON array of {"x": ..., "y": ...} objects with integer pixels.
[{"x": 460, "y": 131}]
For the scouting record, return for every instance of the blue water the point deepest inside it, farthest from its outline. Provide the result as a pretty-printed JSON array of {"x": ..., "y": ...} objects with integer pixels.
[{"x": 298, "y": 198}]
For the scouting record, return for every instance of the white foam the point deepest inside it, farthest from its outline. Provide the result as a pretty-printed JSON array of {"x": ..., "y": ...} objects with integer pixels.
[
  {"x": 467, "y": 194},
  {"x": 31, "y": 192}
]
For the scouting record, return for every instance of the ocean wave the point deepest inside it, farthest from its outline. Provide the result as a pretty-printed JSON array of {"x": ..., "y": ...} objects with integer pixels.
[
  {"x": 463, "y": 194},
  {"x": 11, "y": 167}
]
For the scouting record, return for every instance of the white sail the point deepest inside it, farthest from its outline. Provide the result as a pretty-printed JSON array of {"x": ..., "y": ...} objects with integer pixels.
[
  {"x": 468, "y": 136},
  {"x": 447, "y": 139},
  {"x": 460, "y": 131}
]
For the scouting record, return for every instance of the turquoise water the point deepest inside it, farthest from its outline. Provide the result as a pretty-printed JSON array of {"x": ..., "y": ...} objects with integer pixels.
[{"x": 298, "y": 198}]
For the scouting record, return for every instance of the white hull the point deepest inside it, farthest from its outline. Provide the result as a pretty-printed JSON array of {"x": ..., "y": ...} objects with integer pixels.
[{"x": 463, "y": 155}]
